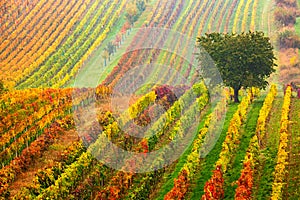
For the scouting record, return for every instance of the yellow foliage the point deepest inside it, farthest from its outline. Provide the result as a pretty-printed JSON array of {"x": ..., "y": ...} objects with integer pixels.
[{"x": 282, "y": 154}]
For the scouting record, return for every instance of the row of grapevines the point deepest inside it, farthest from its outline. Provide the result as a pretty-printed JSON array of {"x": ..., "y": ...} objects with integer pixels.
[
  {"x": 158, "y": 15},
  {"x": 183, "y": 16},
  {"x": 98, "y": 30},
  {"x": 282, "y": 154},
  {"x": 214, "y": 15},
  {"x": 99, "y": 174},
  {"x": 60, "y": 101},
  {"x": 174, "y": 113},
  {"x": 58, "y": 174},
  {"x": 127, "y": 59},
  {"x": 229, "y": 15},
  {"x": 233, "y": 132},
  {"x": 245, "y": 15},
  {"x": 237, "y": 16},
  {"x": 25, "y": 118},
  {"x": 221, "y": 16},
  {"x": 71, "y": 48},
  {"x": 207, "y": 12},
  {"x": 187, "y": 172},
  {"x": 93, "y": 47},
  {"x": 13, "y": 34},
  {"x": 32, "y": 152},
  {"x": 163, "y": 57},
  {"x": 152, "y": 13},
  {"x": 211, "y": 17},
  {"x": 138, "y": 192},
  {"x": 176, "y": 135},
  {"x": 17, "y": 106},
  {"x": 59, "y": 23},
  {"x": 139, "y": 106},
  {"x": 48, "y": 177},
  {"x": 30, "y": 45},
  {"x": 69, "y": 70},
  {"x": 214, "y": 187},
  {"x": 67, "y": 180},
  {"x": 111, "y": 131},
  {"x": 11, "y": 50},
  {"x": 264, "y": 113},
  {"x": 245, "y": 182},
  {"x": 43, "y": 48},
  {"x": 29, "y": 105},
  {"x": 24, "y": 139},
  {"x": 199, "y": 11},
  {"x": 13, "y": 13},
  {"x": 253, "y": 16},
  {"x": 14, "y": 142},
  {"x": 118, "y": 177},
  {"x": 45, "y": 56},
  {"x": 110, "y": 128},
  {"x": 190, "y": 26},
  {"x": 183, "y": 25}
]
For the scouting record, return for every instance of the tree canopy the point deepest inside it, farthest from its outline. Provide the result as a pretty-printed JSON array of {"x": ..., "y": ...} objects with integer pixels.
[{"x": 243, "y": 60}]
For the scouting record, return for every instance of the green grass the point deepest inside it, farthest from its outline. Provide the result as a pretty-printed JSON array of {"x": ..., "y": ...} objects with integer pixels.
[
  {"x": 248, "y": 130},
  {"x": 209, "y": 161}
]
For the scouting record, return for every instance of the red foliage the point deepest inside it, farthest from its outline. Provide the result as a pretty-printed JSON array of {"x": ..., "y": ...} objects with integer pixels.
[
  {"x": 29, "y": 154},
  {"x": 214, "y": 187},
  {"x": 245, "y": 183},
  {"x": 180, "y": 187}
]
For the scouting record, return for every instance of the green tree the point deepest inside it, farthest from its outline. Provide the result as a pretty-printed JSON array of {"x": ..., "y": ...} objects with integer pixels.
[
  {"x": 243, "y": 60},
  {"x": 141, "y": 6},
  {"x": 111, "y": 49},
  {"x": 105, "y": 56}
]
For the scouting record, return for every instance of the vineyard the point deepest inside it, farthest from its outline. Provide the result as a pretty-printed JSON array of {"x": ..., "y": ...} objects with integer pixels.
[{"x": 103, "y": 99}]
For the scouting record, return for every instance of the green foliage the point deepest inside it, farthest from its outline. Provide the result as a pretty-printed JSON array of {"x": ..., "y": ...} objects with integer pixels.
[{"x": 243, "y": 60}]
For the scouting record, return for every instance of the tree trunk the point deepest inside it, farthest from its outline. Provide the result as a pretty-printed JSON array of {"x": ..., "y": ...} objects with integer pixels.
[{"x": 236, "y": 95}]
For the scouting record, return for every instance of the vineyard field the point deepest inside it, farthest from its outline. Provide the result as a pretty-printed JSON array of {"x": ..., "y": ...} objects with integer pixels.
[{"x": 118, "y": 99}]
